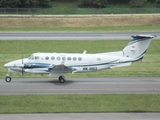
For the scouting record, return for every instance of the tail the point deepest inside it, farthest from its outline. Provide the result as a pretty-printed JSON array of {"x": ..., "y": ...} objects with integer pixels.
[{"x": 138, "y": 46}]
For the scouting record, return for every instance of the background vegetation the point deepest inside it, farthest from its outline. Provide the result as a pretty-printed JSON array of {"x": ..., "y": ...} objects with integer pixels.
[{"x": 78, "y": 3}]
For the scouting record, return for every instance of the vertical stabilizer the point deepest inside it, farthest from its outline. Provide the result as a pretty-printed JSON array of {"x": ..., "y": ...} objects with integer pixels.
[{"x": 138, "y": 46}]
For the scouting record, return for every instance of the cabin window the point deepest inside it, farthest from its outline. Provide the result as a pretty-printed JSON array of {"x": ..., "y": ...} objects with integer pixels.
[
  {"x": 69, "y": 58},
  {"x": 74, "y": 58},
  {"x": 63, "y": 58},
  {"x": 98, "y": 59},
  {"x": 79, "y": 58},
  {"x": 58, "y": 58},
  {"x": 52, "y": 58},
  {"x": 47, "y": 58},
  {"x": 36, "y": 57}
]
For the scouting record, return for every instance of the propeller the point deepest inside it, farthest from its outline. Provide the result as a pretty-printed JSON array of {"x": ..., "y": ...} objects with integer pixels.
[
  {"x": 23, "y": 66},
  {"x": 22, "y": 59}
]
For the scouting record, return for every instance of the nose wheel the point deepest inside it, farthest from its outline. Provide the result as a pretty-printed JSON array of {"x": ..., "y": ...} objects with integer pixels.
[
  {"x": 61, "y": 79},
  {"x": 8, "y": 79}
]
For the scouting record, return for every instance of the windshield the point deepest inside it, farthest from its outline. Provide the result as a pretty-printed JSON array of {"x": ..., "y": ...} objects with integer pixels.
[{"x": 31, "y": 57}]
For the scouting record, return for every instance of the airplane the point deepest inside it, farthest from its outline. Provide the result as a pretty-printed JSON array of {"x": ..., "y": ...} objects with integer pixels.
[{"x": 58, "y": 64}]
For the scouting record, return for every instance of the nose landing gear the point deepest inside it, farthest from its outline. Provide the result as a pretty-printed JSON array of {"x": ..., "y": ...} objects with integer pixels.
[{"x": 8, "y": 79}]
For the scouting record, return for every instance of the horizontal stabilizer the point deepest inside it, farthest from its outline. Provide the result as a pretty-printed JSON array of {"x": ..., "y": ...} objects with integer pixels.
[{"x": 139, "y": 37}]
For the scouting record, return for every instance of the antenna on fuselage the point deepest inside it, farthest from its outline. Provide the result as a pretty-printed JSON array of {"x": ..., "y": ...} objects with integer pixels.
[{"x": 85, "y": 51}]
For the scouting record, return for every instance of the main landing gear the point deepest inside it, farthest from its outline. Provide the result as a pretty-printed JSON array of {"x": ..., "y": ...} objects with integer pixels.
[{"x": 61, "y": 79}]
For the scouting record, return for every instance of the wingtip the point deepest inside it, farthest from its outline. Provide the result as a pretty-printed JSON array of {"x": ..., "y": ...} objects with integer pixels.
[
  {"x": 141, "y": 36},
  {"x": 155, "y": 35}
]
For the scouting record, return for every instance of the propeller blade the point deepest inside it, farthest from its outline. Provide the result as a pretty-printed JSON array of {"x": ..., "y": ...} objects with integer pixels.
[
  {"x": 22, "y": 71},
  {"x": 22, "y": 59},
  {"x": 22, "y": 67}
]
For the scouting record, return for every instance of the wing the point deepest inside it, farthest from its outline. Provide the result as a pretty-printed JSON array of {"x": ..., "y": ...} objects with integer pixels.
[
  {"x": 61, "y": 68},
  {"x": 52, "y": 69}
]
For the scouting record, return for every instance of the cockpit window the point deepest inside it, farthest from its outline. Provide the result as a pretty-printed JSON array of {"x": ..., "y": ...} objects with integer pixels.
[{"x": 31, "y": 57}]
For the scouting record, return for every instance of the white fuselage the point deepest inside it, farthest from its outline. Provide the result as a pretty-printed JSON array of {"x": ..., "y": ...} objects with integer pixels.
[{"x": 40, "y": 62}]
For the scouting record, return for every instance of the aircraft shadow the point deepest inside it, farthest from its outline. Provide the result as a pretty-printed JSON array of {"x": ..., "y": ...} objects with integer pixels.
[{"x": 55, "y": 82}]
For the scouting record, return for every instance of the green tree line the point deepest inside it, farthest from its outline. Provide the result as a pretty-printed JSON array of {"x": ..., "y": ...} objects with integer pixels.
[
  {"x": 23, "y": 3},
  {"x": 103, "y": 3},
  {"x": 83, "y": 3}
]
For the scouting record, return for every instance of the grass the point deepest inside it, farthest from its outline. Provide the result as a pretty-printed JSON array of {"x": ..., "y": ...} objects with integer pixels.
[
  {"x": 78, "y": 11},
  {"x": 82, "y": 23},
  {"x": 80, "y": 103},
  {"x": 11, "y": 50},
  {"x": 107, "y": 28},
  {"x": 149, "y": 66}
]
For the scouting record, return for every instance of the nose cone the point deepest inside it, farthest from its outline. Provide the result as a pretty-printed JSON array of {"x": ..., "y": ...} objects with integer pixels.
[
  {"x": 7, "y": 65},
  {"x": 17, "y": 63}
]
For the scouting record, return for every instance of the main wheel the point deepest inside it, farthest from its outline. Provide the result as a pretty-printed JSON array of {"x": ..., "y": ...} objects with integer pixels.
[
  {"x": 61, "y": 79},
  {"x": 8, "y": 79}
]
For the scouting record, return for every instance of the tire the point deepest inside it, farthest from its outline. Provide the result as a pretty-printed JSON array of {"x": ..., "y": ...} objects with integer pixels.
[
  {"x": 61, "y": 79},
  {"x": 8, "y": 79}
]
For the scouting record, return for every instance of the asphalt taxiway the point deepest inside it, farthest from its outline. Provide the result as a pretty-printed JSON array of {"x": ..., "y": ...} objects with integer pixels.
[
  {"x": 138, "y": 85},
  {"x": 72, "y": 35},
  {"x": 82, "y": 116}
]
